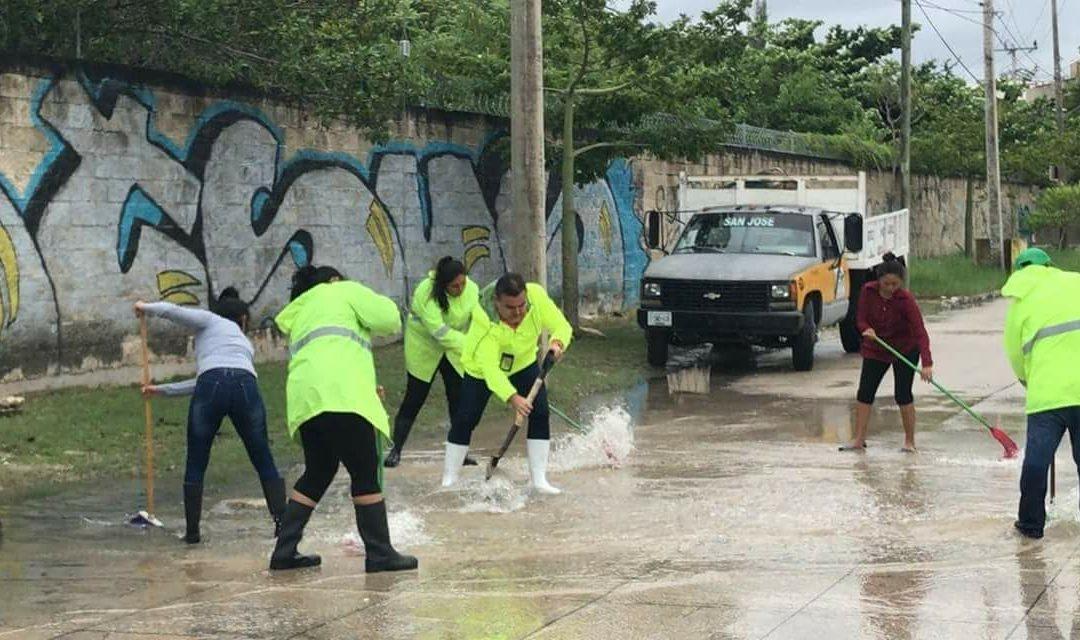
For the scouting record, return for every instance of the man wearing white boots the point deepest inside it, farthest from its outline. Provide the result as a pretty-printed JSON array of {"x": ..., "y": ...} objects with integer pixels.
[{"x": 499, "y": 357}]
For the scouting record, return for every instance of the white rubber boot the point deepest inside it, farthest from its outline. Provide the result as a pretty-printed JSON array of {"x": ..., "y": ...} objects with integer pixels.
[
  {"x": 455, "y": 455},
  {"x": 538, "y": 451}
]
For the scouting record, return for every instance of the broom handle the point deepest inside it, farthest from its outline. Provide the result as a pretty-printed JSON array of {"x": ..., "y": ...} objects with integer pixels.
[
  {"x": 149, "y": 417},
  {"x": 940, "y": 388}
]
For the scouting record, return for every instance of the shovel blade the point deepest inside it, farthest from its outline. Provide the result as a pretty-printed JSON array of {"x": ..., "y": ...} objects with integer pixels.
[
  {"x": 1011, "y": 449},
  {"x": 494, "y": 462}
]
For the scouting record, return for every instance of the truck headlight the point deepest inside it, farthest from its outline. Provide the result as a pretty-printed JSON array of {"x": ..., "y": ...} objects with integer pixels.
[
  {"x": 652, "y": 289},
  {"x": 780, "y": 291}
]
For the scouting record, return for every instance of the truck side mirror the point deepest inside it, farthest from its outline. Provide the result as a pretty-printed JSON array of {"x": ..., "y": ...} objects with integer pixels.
[
  {"x": 652, "y": 229},
  {"x": 853, "y": 233}
]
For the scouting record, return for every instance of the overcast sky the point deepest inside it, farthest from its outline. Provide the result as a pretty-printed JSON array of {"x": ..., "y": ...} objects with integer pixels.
[{"x": 1026, "y": 20}]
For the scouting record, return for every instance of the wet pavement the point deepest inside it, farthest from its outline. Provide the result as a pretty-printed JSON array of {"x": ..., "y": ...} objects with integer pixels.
[{"x": 734, "y": 516}]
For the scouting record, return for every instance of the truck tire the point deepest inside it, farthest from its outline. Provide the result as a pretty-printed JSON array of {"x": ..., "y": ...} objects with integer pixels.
[
  {"x": 802, "y": 348},
  {"x": 849, "y": 336},
  {"x": 656, "y": 348}
]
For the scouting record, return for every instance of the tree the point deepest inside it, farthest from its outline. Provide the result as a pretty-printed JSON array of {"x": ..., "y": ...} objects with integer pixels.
[
  {"x": 613, "y": 88},
  {"x": 340, "y": 59},
  {"x": 1058, "y": 209}
]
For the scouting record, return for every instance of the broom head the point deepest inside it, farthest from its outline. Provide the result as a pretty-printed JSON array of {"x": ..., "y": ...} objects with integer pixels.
[{"x": 1011, "y": 450}]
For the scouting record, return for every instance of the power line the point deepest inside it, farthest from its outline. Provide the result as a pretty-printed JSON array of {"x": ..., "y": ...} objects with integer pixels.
[
  {"x": 1035, "y": 26},
  {"x": 945, "y": 42}
]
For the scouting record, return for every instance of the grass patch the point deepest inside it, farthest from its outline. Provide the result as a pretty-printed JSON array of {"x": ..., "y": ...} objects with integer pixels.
[
  {"x": 81, "y": 434},
  {"x": 957, "y": 275}
]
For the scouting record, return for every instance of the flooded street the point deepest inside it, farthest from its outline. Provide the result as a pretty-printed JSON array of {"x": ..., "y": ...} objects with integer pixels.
[{"x": 728, "y": 515}]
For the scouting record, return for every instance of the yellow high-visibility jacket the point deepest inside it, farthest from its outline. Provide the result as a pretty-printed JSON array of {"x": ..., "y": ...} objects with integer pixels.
[{"x": 431, "y": 333}]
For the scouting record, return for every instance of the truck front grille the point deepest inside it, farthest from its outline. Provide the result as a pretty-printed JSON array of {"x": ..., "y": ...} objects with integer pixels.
[{"x": 697, "y": 295}]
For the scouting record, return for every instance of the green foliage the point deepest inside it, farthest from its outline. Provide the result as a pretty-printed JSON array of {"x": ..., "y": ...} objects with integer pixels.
[{"x": 1058, "y": 208}]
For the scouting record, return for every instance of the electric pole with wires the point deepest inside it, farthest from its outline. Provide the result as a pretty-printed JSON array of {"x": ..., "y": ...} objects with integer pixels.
[
  {"x": 993, "y": 170},
  {"x": 905, "y": 100}
]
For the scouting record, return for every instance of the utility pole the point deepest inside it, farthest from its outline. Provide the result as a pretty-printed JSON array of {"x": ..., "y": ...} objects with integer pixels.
[
  {"x": 993, "y": 171},
  {"x": 1059, "y": 94},
  {"x": 527, "y": 224},
  {"x": 905, "y": 99}
]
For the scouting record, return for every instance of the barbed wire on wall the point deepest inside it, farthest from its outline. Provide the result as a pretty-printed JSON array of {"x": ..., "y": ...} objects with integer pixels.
[{"x": 448, "y": 97}]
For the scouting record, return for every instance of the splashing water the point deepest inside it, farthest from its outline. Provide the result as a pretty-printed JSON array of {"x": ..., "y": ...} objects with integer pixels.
[
  {"x": 501, "y": 494},
  {"x": 406, "y": 530},
  {"x": 608, "y": 442}
]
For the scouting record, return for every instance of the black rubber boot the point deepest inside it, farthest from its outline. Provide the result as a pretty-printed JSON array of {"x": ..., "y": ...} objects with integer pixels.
[
  {"x": 401, "y": 434},
  {"x": 285, "y": 555},
  {"x": 192, "y": 511},
  {"x": 392, "y": 458},
  {"x": 470, "y": 462},
  {"x": 274, "y": 492},
  {"x": 375, "y": 532}
]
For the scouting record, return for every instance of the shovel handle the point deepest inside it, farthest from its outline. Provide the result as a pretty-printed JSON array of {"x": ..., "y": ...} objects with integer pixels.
[
  {"x": 519, "y": 420},
  {"x": 936, "y": 384},
  {"x": 149, "y": 416}
]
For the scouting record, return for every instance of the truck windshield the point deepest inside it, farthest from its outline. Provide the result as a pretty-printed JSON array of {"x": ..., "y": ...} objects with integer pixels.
[{"x": 789, "y": 234}]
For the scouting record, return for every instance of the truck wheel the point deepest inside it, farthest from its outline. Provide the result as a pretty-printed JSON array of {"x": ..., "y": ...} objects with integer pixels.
[
  {"x": 656, "y": 348},
  {"x": 849, "y": 336},
  {"x": 802, "y": 348}
]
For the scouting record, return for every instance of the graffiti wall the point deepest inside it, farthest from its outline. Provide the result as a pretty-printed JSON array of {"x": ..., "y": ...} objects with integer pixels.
[{"x": 114, "y": 189}]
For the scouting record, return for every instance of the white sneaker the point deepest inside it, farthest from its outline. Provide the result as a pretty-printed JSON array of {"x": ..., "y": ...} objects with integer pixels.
[
  {"x": 455, "y": 456},
  {"x": 538, "y": 451}
]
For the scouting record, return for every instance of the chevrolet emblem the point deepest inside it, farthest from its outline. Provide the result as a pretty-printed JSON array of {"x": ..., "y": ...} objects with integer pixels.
[{"x": 712, "y": 295}]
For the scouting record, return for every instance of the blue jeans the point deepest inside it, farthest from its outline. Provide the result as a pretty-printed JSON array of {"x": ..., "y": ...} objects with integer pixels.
[
  {"x": 233, "y": 393},
  {"x": 474, "y": 399},
  {"x": 1044, "y": 433}
]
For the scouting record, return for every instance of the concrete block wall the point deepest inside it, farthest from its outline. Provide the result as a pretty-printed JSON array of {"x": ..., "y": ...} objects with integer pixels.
[{"x": 122, "y": 186}]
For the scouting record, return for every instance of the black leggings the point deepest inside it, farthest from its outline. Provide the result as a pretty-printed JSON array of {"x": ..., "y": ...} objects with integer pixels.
[
  {"x": 330, "y": 439},
  {"x": 416, "y": 393},
  {"x": 474, "y": 399},
  {"x": 874, "y": 370}
]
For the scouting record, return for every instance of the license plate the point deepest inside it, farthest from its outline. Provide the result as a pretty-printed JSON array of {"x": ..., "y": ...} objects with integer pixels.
[{"x": 659, "y": 318}]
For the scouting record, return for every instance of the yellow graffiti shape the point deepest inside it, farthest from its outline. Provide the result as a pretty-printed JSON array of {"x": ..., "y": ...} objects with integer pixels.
[
  {"x": 605, "y": 227},
  {"x": 470, "y": 235},
  {"x": 172, "y": 284},
  {"x": 378, "y": 227},
  {"x": 182, "y": 298},
  {"x": 474, "y": 254},
  {"x": 10, "y": 268}
]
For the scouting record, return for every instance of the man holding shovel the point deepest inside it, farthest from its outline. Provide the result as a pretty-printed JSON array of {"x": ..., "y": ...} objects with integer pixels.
[
  {"x": 499, "y": 357},
  {"x": 1042, "y": 341}
]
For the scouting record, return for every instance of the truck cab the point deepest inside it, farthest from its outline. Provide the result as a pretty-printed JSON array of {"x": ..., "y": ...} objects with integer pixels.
[{"x": 769, "y": 275}]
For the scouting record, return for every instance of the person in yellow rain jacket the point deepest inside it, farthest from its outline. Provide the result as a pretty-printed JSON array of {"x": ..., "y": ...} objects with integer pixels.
[
  {"x": 500, "y": 358},
  {"x": 441, "y": 310},
  {"x": 1042, "y": 341},
  {"x": 333, "y": 407}
]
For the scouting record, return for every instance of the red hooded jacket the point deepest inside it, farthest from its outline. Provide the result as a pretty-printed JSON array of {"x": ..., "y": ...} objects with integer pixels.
[{"x": 896, "y": 320}]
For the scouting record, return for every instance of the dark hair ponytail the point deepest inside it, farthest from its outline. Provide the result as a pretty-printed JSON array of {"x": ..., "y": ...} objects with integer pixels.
[
  {"x": 230, "y": 306},
  {"x": 891, "y": 265},
  {"x": 447, "y": 269},
  {"x": 308, "y": 276}
]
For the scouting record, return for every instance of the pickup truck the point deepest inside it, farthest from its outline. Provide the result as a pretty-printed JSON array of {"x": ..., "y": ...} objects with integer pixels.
[{"x": 767, "y": 274}]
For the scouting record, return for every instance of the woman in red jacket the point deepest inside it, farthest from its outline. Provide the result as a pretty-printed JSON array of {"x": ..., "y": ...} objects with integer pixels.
[{"x": 888, "y": 311}]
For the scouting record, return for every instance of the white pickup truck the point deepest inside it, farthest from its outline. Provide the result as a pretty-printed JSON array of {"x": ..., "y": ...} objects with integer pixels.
[{"x": 763, "y": 260}]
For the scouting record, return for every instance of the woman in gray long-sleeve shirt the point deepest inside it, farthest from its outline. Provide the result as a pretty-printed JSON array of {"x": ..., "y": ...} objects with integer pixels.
[{"x": 225, "y": 385}]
